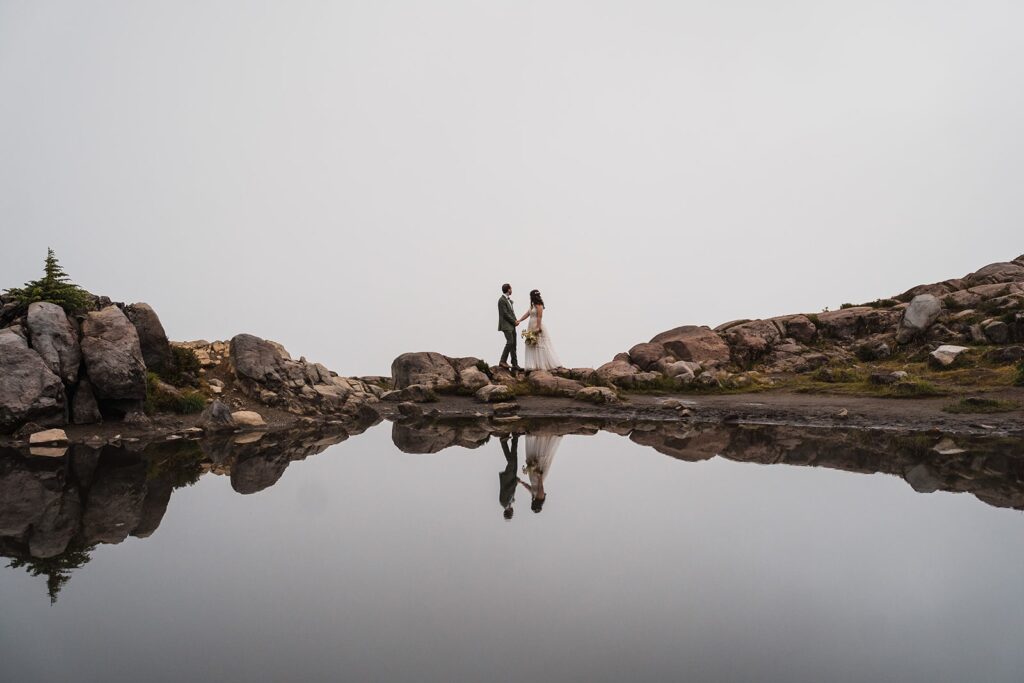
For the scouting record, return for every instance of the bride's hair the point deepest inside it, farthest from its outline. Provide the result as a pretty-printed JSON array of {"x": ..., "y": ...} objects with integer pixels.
[{"x": 535, "y": 298}]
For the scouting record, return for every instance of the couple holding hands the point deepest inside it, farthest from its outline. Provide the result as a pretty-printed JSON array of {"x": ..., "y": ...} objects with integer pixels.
[{"x": 540, "y": 352}]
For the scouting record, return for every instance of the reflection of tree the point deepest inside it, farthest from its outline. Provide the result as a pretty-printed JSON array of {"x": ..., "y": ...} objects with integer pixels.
[{"x": 57, "y": 570}]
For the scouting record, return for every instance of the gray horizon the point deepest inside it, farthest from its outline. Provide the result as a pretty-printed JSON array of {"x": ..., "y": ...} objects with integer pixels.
[{"x": 356, "y": 180}]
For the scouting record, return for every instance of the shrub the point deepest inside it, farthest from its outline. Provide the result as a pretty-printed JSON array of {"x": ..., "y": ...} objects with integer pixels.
[
  {"x": 54, "y": 287},
  {"x": 845, "y": 306},
  {"x": 182, "y": 369}
]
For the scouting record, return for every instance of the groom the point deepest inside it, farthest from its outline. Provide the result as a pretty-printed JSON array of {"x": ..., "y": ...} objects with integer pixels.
[{"x": 507, "y": 324}]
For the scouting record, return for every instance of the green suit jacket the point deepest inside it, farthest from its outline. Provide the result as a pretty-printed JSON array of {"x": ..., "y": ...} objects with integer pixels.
[{"x": 506, "y": 316}]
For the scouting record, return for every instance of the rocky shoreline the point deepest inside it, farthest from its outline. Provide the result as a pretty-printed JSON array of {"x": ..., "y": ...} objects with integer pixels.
[{"x": 109, "y": 372}]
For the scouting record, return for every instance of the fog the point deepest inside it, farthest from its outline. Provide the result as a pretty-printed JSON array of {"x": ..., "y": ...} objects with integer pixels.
[{"x": 357, "y": 179}]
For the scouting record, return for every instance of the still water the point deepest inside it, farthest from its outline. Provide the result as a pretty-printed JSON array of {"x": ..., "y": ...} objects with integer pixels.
[{"x": 707, "y": 555}]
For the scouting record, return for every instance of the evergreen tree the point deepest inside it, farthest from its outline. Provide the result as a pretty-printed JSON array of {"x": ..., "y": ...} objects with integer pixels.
[{"x": 55, "y": 286}]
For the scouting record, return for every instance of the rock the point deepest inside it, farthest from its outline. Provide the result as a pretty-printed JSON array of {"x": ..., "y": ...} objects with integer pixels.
[
  {"x": 156, "y": 350},
  {"x": 425, "y": 368},
  {"x": 261, "y": 362},
  {"x": 596, "y": 395},
  {"x": 217, "y": 417},
  {"x": 875, "y": 349},
  {"x": 646, "y": 355},
  {"x": 801, "y": 328},
  {"x": 946, "y": 355},
  {"x": 54, "y": 339},
  {"x": 923, "y": 310},
  {"x": 48, "y": 451},
  {"x": 849, "y": 323},
  {"x": 84, "y": 408},
  {"x": 1008, "y": 354},
  {"x": 647, "y": 380},
  {"x": 494, "y": 393},
  {"x": 113, "y": 357},
  {"x": 410, "y": 411},
  {"x": 751, "y": 341},
  {"x": 671, "y": 404},
  {"x": 693, "y": 343},
  {"x": 50, "y": 436},
  {"x": 29, "y": 390},
  {"x": 505, "y": 409},
  {"x": 885, "y": 378},
  {"x": 136, "y": 417},
  {"x": 473, "y": 379},
  {"x": 843, "y": 414},
  {"x": 996, "y": 273},
  {"x": 546, "y": 384},
  {"x": 997, "y": 332},
  {"x": 248, "y": 419},
  {"x": 416, "y": 393},
  {"x": 618, "y": 372}
]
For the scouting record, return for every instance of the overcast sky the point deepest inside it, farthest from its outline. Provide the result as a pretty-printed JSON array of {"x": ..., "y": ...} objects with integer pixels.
[{"x": 357, "y": 179}]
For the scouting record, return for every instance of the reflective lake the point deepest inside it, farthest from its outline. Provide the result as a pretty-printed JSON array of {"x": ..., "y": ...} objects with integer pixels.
[{"x": 659, "y": 552}]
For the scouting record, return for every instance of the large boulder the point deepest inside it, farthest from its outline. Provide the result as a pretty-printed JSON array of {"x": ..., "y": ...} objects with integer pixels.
[
  {"x": 494, "y": 393},
  {"x": 847, "y": 324},
  {"x": 217, "y": 417},
  {"x": 801, "y": 328},
  {"x": 753, "y": 340},
  {"x": 29, "y": 390},
  {"x": 156, "y": 350},
  {"x": 113, "y": 356},
  {"x": 946, "y": 355},
  {"x": 647, "y": 355},
  {"x": 430, "y": 369},
  {"x": 55, "y": 339},
  {"x": 691, "y": 342},
  {"x": 473, "y": 379},
  {"x": 544, "y": 383},
  {"x": 996, "y": 273},
  {"x": 924, "y": 309},
  {"x": 618, "y": 372},
  {"x": 260, "y": 361}
]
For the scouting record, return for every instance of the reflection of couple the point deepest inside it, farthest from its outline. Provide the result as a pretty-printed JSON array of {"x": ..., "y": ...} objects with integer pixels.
[{"x": 540, "y": 453}]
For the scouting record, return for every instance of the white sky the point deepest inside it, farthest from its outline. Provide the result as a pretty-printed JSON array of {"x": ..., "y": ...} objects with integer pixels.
[{"x": 356, "y": 180}]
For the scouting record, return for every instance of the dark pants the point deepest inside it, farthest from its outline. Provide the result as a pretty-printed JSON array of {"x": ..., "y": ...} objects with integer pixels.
[{"x": 510, "y": 348}]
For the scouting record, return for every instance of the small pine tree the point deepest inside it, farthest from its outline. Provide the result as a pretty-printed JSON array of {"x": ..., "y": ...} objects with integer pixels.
[{"x": 55, "y": 286}]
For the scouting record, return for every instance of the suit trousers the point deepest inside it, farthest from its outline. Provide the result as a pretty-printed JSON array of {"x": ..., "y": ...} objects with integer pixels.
[{"x": 510, "y": 348}]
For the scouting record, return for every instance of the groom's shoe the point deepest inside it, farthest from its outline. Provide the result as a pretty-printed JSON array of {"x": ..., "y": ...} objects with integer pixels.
[
  {"x": 516, "y": 370},
  {"x": 503, "y": 365}
]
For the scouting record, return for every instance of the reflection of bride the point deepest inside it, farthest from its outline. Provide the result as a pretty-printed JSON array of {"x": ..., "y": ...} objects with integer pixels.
[{"x": 540, "y": 453}]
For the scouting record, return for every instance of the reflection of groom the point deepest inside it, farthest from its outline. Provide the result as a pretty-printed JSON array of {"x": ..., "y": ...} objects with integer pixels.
[
  {"x": 507, "y": 480},
  {"x": 507, "y": 324}
]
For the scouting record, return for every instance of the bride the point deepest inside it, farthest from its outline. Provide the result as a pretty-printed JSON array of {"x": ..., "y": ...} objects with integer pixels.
[{"x": 542, "y": 356}]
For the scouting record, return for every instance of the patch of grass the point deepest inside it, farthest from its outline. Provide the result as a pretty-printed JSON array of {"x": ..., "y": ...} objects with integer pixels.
[
  {"x": 837, "y": 375},
  {"x": 814, "y": 319},
  {"x": 974, "y": 404},
  {"x": 915, "y": 388},
  {"x": 159, "y": 400},
  {"x": 881, "y": 303},
  {"x": 845, "y": 306},
  {"x": 1019, "y": 379}
]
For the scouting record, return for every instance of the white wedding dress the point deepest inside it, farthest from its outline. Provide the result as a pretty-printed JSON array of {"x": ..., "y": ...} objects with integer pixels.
[
  {"x": 540, "y": 455},
  {"x": 542, "y": 356}
]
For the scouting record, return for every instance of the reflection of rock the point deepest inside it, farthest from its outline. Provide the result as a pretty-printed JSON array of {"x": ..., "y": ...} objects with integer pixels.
[{"x": 113, "y": 506}]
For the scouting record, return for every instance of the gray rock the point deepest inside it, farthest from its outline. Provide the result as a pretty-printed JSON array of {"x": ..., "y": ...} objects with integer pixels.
[
  {"x": 29, "y": 390},
  {"x": 801, "y": 328},
  {"x": 691, "y": 342},
  {"x": 217, "y": 417},
  {"x": 494, "y": 393},
  {"x": 426, "y": 368},
  {"x": 597, "y": 395},
  {"x": 473, "y": 379},
  {"x": 923, "y": 310},
  {"x": 998, "y": 332},
  {"x": 260, "y": 361},
  {"x": 647, "y": 355},
  {"x": 54, "y": 338},
  {"x": 156, "y": 350},
  {"x": 1008, "y": 354},
  {"x": 946, "y": 355},
  {"x": 505, "y": 409},
  {"x": 415, "y": 393},
  {"x": 544, "y": 383},
  {"x": 618, "y": 372},
  {"x": 113, "y": 357}
]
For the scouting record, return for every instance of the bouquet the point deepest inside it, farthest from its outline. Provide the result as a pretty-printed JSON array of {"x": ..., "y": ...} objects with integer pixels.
[{"x": 530, "y": 337}]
